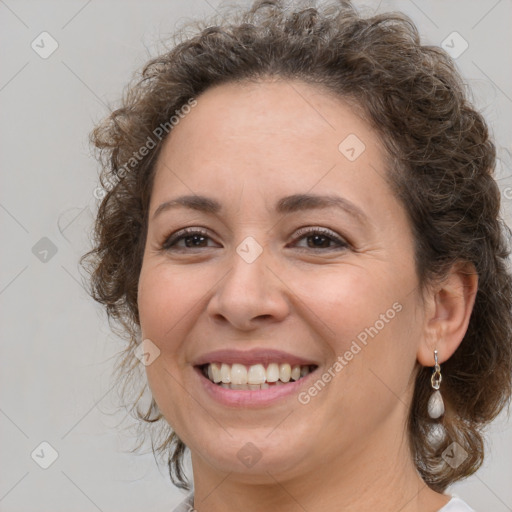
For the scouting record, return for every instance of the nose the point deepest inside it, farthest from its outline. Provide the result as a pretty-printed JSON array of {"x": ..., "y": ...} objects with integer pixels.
[{"x": 249, "y": 296}]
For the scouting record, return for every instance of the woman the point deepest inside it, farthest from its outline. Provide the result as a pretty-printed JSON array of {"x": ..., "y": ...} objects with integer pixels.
[{"x": 301, "y": 238}]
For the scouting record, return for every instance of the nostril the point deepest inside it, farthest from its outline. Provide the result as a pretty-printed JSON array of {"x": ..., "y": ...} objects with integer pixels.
[{"x": 262, "y": 317}]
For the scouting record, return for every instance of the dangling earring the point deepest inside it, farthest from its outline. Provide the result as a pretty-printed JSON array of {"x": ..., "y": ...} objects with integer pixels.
[{"x": 435, "y": 403}]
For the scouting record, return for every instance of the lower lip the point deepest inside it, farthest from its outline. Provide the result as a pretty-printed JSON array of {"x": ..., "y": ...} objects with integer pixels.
[{"x": 252, "y": 398}]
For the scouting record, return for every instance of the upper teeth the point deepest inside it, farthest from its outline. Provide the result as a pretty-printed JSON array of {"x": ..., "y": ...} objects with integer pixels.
[{"x": 254, "y": 374}]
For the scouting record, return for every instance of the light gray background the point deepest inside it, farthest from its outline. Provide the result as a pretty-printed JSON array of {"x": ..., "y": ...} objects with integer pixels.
[{"x": 57, "y": 349}]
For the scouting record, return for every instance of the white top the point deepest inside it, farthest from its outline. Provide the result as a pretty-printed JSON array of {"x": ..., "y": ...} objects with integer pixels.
[{"x": 454, "y": 505}]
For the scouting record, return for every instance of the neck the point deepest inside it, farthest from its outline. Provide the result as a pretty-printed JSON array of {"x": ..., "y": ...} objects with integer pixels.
[{"x": 375, "y": 475}]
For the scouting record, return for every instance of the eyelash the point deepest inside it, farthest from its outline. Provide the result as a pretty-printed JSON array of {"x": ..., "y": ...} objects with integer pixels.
[{"x": 171, "y": 241}]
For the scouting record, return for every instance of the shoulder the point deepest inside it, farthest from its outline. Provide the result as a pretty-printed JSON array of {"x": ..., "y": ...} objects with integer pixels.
[
  {"x": 187, "y": 505},
  {"x": 456, "y": 505}
]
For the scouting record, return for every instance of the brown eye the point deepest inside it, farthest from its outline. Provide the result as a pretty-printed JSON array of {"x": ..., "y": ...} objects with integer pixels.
[
  {"x": 319, "y": 239},
  {"x": 195, "y": 241},
  {"x": 189, "y": 238}
]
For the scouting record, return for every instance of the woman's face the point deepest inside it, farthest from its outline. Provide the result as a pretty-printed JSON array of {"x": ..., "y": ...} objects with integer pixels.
[{"x": 295, "y": 252}]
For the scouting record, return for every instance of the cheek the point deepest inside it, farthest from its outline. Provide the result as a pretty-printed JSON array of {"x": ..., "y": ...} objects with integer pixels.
[
  {"x": 167, "y": 296},
  {"x": 369, "y": 320},
  {"x": 345, "y": 300}
]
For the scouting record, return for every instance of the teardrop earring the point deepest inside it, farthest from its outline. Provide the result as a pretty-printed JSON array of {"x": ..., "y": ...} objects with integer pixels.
[{"x": 435, "y": 403}]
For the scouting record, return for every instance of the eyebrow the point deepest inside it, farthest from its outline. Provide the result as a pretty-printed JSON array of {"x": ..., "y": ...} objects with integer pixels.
[{"x": 285, "y": 205}]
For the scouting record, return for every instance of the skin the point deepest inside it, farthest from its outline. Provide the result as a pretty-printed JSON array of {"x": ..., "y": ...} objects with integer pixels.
[{"x": 247, "y": 146}]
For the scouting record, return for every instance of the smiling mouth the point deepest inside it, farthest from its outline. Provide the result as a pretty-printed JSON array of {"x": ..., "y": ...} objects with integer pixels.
[{"x": 254, "y": 377}]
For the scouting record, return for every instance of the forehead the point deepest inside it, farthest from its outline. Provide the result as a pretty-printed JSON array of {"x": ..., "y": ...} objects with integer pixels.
[{"x": 270, "y": 129}]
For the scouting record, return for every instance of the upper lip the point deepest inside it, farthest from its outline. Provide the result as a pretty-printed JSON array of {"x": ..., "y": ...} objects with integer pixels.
[{"x": 254, "y": 356}]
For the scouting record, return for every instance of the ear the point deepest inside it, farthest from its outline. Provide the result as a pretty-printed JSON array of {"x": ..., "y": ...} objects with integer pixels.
[{"x": 448, "y": 308}]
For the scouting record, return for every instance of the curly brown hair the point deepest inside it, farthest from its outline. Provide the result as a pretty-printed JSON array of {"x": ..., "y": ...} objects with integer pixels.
[{"x": 441, "y": 164}]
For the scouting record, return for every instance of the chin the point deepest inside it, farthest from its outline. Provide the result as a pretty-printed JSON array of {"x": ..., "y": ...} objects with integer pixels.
[{"x": 257, "y": 453}]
